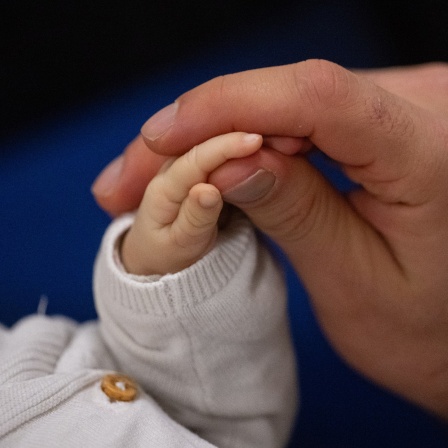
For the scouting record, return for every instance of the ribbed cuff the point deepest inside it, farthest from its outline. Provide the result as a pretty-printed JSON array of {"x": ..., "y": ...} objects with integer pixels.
[{"x": 172, "y": 293}]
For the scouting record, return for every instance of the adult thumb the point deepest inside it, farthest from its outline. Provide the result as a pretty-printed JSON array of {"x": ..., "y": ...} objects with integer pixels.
[{"x": 316, "y": 227}]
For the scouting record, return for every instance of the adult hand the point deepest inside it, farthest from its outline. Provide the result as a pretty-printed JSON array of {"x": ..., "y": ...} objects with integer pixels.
[{"x": 375, "y": 263}]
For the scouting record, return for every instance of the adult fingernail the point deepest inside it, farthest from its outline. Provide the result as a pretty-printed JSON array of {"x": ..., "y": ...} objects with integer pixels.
[
  {"x": 107, "y": 180},
  {"x": 160, "y": 122},
  {"x": 251, "y": 189}
]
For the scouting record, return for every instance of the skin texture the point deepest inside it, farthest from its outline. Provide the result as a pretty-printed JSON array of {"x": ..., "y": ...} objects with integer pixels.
[
  {"x": 374, "y": 263},
  {"x": 177, "y": 221}
]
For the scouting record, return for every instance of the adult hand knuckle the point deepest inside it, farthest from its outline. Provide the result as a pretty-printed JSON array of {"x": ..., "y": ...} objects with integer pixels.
[
  {"x": 294, "y": 221},
  {"x": 391, "y": 116},
  {"x": 327, "y": 84}
]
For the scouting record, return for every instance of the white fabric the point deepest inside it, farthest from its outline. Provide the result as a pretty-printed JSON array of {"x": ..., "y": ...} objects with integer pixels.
[{"x": 209, "y": 348}]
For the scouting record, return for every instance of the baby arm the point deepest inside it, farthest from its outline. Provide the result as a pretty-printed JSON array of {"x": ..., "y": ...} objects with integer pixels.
[
  {"x": 176, "y": 223},
  {"x": 210, "y": 341}
]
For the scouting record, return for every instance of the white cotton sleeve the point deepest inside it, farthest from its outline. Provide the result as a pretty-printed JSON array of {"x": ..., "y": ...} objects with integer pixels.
[{"x": 211, "y": 343}]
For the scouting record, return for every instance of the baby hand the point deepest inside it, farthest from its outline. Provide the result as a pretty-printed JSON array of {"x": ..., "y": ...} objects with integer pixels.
[{"x": 176, "y": 223}]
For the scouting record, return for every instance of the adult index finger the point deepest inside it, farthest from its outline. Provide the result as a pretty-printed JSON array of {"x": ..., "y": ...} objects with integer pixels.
[{"x": 377, "y": 136}]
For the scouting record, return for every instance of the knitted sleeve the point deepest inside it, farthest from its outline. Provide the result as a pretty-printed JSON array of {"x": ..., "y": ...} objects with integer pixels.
[{"x": 211, "y": 343}]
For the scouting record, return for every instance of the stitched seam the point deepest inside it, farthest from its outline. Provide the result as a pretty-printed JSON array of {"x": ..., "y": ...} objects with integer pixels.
[
  {"x": 195, "y": 367},
  {"x": 190, "y": 348}
]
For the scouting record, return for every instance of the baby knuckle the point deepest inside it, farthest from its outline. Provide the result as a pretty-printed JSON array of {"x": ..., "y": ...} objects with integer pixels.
[
  {"x": 192, "y": 156},
  {"x": 196, "y": 221}
]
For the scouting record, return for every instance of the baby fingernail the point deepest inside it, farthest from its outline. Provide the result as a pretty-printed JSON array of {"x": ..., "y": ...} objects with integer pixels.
[
  {"x": 160, "y": 122},
  {"x": 249, "y": 138},
  {"x": 251, "y": 189}
]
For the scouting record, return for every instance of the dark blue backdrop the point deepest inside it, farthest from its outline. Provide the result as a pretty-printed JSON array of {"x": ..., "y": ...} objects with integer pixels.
[{"x": 51, "y": 227}]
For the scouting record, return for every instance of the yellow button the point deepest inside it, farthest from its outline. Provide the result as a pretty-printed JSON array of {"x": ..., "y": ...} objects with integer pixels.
[{"x": 119, "y": 387}]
